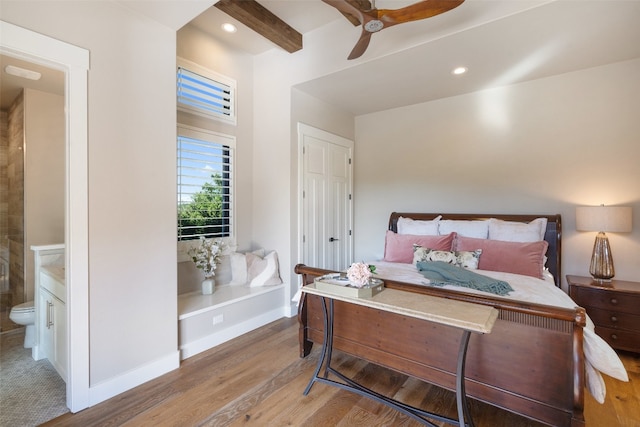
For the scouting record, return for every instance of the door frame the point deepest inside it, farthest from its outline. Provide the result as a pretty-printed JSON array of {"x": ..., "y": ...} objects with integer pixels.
[
  {"x": 304, "y": 130},
  {"x": 74, "y": 61}
]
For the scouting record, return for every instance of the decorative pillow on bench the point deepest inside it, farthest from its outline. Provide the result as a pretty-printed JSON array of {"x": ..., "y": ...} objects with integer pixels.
[{"x": 255, "y": 269}]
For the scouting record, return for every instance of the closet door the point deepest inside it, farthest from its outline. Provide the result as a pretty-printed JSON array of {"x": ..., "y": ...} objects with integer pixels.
[{"x": 327, "y": 199}]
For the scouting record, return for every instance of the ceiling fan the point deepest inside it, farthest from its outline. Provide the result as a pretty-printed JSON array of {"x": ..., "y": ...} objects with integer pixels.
[{"x": 374, "y": 20}]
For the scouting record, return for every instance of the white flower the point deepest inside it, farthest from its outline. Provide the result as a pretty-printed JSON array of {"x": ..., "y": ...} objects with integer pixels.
[
  {"x": 359, "y": 274},
  {"x": 207, "y": 255}
]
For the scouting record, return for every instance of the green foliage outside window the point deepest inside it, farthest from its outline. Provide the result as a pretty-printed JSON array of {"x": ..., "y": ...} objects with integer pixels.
[{"x": 207, "y": 212}]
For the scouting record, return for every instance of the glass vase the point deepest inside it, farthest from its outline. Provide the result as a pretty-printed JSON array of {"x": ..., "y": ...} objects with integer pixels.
[{"x": 208, "y": 286}]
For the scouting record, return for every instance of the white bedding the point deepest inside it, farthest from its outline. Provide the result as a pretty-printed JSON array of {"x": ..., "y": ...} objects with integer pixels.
[{"x": 599, "y": 356}]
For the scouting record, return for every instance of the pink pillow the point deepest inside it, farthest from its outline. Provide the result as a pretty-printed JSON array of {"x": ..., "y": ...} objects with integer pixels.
[
  {"x": 399, "y": 247},
  {"x": 509, "y": 257}
]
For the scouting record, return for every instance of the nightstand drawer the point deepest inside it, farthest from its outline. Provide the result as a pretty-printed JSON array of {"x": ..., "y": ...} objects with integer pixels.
[
  {"x": 622, "y": 340},
  {"x": 614, "y": 319},
  {"x": 604, "y": 299}
]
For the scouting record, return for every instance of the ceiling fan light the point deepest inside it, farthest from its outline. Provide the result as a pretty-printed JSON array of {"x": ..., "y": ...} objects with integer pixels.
[
  {"x": 459, "y": 70},
  {"x": 229, "y": 28},
  {"x": 374, "y": 26}
]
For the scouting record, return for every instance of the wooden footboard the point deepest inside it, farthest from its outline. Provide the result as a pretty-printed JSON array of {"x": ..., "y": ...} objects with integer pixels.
[{"x": 531, "y": 364}]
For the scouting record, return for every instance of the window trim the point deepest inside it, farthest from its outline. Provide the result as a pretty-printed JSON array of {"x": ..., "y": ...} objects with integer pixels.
[
  {"x": 198, "y": 69},
  {"x": 217, "y": 138}
]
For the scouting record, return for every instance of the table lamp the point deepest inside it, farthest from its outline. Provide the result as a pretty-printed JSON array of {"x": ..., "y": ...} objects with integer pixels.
[{"x": 614, "y": 219}]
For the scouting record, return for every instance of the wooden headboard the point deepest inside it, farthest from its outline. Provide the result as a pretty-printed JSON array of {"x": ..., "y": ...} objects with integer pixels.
[{"x": 552, "y": 236}]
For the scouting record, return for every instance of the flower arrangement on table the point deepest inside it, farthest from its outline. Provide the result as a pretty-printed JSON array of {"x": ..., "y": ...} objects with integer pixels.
[
  {"x": 206, "y": 256},
  {"x": 360, "y": 274}
]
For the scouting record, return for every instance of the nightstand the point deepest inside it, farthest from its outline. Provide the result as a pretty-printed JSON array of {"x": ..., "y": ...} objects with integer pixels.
[{"x": 614, "y": 308}]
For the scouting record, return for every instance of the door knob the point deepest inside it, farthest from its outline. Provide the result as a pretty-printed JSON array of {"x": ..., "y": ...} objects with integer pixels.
[{"x": 333, "y": 239}]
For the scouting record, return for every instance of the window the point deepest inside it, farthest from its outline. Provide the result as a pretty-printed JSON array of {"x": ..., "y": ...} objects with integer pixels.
[
  {"x": 205, "y": 183},
  {"x": 205, "y": 93}
]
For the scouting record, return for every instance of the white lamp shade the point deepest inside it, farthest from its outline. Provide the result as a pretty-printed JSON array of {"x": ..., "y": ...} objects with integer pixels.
[{"x": 615, "y": 219}]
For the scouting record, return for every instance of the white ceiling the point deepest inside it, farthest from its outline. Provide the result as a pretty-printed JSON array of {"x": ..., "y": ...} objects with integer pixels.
[{"x": 500, "y": 41}]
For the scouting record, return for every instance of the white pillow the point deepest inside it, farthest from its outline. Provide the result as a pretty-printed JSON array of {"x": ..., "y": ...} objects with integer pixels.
[
  {"x": 418, "y": 227},
  {"x": 513, "y": 231},
  {"x": 263, "y": 271},
  {"x": 478, "y": 229},
  {"x": 259, "y": 252},
  {"x": 238, "y": 268}
]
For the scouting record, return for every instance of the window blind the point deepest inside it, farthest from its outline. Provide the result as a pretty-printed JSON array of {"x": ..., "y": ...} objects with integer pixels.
[
  {"x": 204, "y": 95},
  {"x": 205, "y": 188}
]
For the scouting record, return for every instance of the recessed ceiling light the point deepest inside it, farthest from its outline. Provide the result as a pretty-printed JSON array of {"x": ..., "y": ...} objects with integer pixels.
[
  {"x": 459, "y": 70},
  {"x": 22, "y": 72},
  {"x": 229, "y": 28}
]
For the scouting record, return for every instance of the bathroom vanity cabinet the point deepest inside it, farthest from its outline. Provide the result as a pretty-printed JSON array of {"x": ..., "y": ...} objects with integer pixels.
[
  {"x": 50, "y": 306},
  {"x": 53, "y": 322}
]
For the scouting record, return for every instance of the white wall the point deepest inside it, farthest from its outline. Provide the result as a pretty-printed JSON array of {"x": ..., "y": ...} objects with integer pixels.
[
  {"x": 44, "y": 178},
  {"x": 278, "y": 106},
  {"x": 131, "y": 167},
  {"x": 132, "y": 187},
  {"x": 319, "y": 114},
  {"x": 543, "y": 146}
]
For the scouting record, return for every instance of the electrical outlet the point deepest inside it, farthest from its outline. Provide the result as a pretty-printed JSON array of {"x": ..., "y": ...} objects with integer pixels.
[{"x": 218, "y": 319}]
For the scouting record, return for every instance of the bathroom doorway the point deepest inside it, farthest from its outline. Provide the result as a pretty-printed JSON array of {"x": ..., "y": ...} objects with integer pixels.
[
  {"x": 32, "y": 211},
  {"x": 24, "y": 44},
  {"x": 32, "y": 174}
]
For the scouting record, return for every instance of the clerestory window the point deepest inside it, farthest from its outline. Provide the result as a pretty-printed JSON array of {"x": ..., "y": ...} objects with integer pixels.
[{"x": 205, "y": 93}]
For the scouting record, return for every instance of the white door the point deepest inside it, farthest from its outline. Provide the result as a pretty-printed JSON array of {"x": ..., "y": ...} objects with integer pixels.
[{"x": 326, "y": 199}]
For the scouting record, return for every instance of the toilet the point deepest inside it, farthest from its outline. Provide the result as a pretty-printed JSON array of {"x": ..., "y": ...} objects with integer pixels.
[{"x": 25, "y": 314}]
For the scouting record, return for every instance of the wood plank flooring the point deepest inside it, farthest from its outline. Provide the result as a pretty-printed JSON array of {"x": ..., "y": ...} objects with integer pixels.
[{"x": 258, "y": 379}]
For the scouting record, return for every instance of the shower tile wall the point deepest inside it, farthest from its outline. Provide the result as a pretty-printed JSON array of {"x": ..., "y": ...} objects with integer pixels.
[
  {"x": 4, "y": 183},
  {"x": 14, "y": 202},
  {"x": 5, "y": 296},
  {"x": 16, "y": 199}
]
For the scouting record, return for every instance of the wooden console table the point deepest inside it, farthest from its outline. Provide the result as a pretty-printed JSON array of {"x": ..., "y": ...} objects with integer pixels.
[{"x": 468, "y": 317}]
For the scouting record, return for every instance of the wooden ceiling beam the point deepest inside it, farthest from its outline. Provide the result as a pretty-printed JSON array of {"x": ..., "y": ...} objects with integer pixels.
[{"x": 262, "y": 21}]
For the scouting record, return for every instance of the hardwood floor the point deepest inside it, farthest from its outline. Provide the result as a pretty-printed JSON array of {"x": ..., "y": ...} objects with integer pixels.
[{"x": 258, "y": 379}]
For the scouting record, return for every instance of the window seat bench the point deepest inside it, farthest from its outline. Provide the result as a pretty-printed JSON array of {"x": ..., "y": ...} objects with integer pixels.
[{"x": 205, "y": 321}]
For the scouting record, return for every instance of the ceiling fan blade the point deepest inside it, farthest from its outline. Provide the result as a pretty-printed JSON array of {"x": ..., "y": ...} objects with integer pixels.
[
  {"x": 420, "y": 10},
  {"x": 346, "y": 8},
  {"x": 374, "y": 20},
  {"x": 361, "y": 45}
]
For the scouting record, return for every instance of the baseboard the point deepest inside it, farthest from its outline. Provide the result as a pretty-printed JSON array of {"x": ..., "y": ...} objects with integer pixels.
[
  {"x": 291, "y": 310},
  {"x": 112, "y": 387},
  {"x": 234, "y": 331}
]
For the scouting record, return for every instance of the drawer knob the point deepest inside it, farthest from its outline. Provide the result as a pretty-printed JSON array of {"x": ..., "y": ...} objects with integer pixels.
[
  {"x": 614, "y": 319},
  {"x": 614, "y": 337},
  {"x": 614, "y": 300}
]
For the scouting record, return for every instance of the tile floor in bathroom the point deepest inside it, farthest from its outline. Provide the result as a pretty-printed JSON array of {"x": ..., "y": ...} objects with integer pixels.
[{"x": 31, "y": 392}]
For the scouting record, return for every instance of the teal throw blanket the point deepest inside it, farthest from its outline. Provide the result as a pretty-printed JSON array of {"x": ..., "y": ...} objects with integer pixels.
[{"x": 441, "y": 273}]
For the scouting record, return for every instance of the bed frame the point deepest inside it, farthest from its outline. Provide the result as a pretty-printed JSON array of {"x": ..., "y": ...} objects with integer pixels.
[{"x": 531, "y": 364}]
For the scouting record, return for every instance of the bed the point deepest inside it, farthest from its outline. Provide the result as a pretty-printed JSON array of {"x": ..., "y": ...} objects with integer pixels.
[{"x": 533, "y": 363}]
